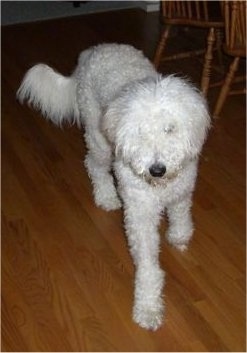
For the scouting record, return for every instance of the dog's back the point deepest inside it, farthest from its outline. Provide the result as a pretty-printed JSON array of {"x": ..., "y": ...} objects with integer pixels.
[
  {"x": 100, "y": 75},
  {"x": 107, "y": 68}
]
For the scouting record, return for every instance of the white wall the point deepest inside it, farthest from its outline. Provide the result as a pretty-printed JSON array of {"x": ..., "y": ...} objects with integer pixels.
[{"x": 28, "y": 11}]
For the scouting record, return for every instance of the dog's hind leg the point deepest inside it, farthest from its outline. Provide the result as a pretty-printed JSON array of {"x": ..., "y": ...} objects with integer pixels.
[{"x": 99, "y": 163}]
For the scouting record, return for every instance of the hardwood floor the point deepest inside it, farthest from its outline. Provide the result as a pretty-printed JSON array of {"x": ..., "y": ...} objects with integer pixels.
[{"x": 67, "y": 276}]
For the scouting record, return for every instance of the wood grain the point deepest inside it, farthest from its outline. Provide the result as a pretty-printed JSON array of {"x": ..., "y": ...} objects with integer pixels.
[{"x": 67, "y": 276}]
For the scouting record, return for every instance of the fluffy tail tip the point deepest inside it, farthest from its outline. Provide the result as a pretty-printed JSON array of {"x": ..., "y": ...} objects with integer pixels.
[{"x": 51, "y": 93}]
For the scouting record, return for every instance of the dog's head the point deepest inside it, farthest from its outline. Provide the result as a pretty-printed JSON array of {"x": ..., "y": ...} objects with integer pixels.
[{"x": 157, "y": 126}]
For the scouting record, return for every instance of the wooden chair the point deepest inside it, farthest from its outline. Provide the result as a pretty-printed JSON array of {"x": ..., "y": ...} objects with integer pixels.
[
  {"x": 196, "y": 14},
  {"x": 235, "y": 46}
]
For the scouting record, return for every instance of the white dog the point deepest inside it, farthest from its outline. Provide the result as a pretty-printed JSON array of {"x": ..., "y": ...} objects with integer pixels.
[{"x": 149, "y": 130}]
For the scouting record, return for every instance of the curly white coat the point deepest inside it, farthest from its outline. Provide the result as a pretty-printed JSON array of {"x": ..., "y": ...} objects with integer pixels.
[{"x": 134, "y": 120}]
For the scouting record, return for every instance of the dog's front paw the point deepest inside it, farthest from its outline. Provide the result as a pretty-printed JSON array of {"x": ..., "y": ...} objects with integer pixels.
[
  {"x": 149, "y": 306},
  {"x": 179, "y": 246},
  {"x": 179, "y": 237},
  {"x": 108, "y": 203},
  {"x": 149, "y": 317},
  {"x": 107, "y": 199}
]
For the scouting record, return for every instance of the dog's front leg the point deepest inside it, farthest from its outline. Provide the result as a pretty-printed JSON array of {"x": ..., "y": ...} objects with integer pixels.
[
  {"x": 142, "y": 216},
  {"x": 180, "y": 223}
]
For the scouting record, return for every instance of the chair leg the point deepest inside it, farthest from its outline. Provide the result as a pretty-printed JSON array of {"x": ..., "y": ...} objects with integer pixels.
[
  {"x": 161, "y": 46},
  {"x": 207, "y": 62},
  {"x": 226, "y": 87}
]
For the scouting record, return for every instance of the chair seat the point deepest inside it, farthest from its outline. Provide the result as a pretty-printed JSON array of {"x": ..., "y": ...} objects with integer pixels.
[
  {"x": 193, "y": 22},
  {"x": 237, "y": 51}
]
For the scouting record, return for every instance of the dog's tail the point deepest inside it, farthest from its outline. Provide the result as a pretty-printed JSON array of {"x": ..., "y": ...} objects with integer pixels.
[{"x": 51, "y": 93}]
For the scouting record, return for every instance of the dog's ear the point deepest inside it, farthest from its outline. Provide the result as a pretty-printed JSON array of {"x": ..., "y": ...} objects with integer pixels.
[
  {"x": 110, "y": 121},
  {"x": 189, "y": 108},
  {"x": 199, "y": 125}
]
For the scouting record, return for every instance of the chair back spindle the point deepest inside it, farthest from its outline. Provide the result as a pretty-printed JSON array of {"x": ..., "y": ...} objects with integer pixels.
[
  {"x": 191, "y": 11},
  {"x": 235, "y": 25}
]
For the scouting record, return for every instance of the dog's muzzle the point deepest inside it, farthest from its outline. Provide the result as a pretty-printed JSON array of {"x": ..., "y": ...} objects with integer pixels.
[{"x": 157, "y": 170}]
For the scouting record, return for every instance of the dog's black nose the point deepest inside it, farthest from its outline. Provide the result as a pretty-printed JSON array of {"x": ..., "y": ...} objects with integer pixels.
[{"x": 157, "y": 170}]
